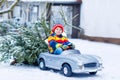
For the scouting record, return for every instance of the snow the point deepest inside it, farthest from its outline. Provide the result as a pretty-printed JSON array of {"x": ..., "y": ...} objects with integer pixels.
[{"x": 108, "y": 52}]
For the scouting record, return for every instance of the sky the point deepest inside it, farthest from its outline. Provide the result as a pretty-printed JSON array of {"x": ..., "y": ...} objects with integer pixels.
[{"x": 108, "y": 52}]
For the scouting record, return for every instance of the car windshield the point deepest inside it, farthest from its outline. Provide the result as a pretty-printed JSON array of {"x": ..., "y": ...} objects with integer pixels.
[{"x": 70, "y": 52}]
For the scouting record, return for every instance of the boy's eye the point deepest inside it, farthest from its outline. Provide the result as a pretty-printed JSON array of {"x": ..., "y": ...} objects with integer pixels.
[{"x": 58, "y": 29}]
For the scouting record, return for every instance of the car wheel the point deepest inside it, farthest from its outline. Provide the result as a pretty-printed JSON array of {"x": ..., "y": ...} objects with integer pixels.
[
  {"x": 42, "y": 64},
  {"x": 66, "y": 70},
  {"x": 92, "y": 73}
]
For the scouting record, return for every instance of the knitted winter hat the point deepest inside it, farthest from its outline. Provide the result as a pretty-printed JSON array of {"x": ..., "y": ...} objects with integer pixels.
[{"x": 56, "y": 26}]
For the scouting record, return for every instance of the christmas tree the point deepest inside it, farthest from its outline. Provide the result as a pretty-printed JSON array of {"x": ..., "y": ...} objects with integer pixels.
[{"x": 25, "y": 43}]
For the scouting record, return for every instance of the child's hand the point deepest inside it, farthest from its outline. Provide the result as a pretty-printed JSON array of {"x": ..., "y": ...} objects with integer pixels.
[
  {"x": 64, "y": 47},
  {"x": 58, "y": 45},
  {"x": 71, "y": 45}
]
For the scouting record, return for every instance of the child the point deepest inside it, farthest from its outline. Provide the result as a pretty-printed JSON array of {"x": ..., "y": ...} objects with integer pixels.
[{"x": 57, "y": 42}]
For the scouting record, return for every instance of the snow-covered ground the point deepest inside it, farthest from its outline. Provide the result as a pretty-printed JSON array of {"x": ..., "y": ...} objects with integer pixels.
[{"x": 110, "y": 54}]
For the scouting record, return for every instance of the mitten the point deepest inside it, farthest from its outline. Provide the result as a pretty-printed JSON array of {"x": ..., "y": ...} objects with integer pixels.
[
  {"x": 58, "y": 45},
  {"x": 64, "y": 47},
  {"x": 71, "y": 45}
]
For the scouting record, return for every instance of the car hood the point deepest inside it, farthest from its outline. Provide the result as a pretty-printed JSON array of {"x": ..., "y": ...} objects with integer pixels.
[{"x": 84, "y": 58}]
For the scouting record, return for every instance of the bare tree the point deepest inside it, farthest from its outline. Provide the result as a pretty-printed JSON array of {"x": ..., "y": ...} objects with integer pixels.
[{"x": 9, "y": 8}]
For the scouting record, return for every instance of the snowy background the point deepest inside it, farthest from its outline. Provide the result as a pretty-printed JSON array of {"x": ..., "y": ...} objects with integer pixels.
[
  {"x": 109, "y": 53},
  {"x": 101, "y": 18}
]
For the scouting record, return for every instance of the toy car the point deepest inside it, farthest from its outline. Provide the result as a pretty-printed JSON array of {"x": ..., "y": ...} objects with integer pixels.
[{"x": 70, "y": 61}]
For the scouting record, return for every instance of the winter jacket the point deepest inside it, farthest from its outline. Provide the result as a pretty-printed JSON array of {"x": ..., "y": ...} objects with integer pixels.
[{"x": 56, "y": 41}]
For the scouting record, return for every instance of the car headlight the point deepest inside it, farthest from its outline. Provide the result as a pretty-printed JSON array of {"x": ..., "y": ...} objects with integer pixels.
[{"x": 79, "y": 63}]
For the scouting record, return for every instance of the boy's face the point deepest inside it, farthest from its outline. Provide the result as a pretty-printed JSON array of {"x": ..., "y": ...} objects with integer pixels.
[{"x": 58, "y": 31}]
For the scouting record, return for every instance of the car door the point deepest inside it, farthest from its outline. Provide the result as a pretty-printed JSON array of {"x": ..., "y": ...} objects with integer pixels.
[{"x": 53, "y": 61}]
